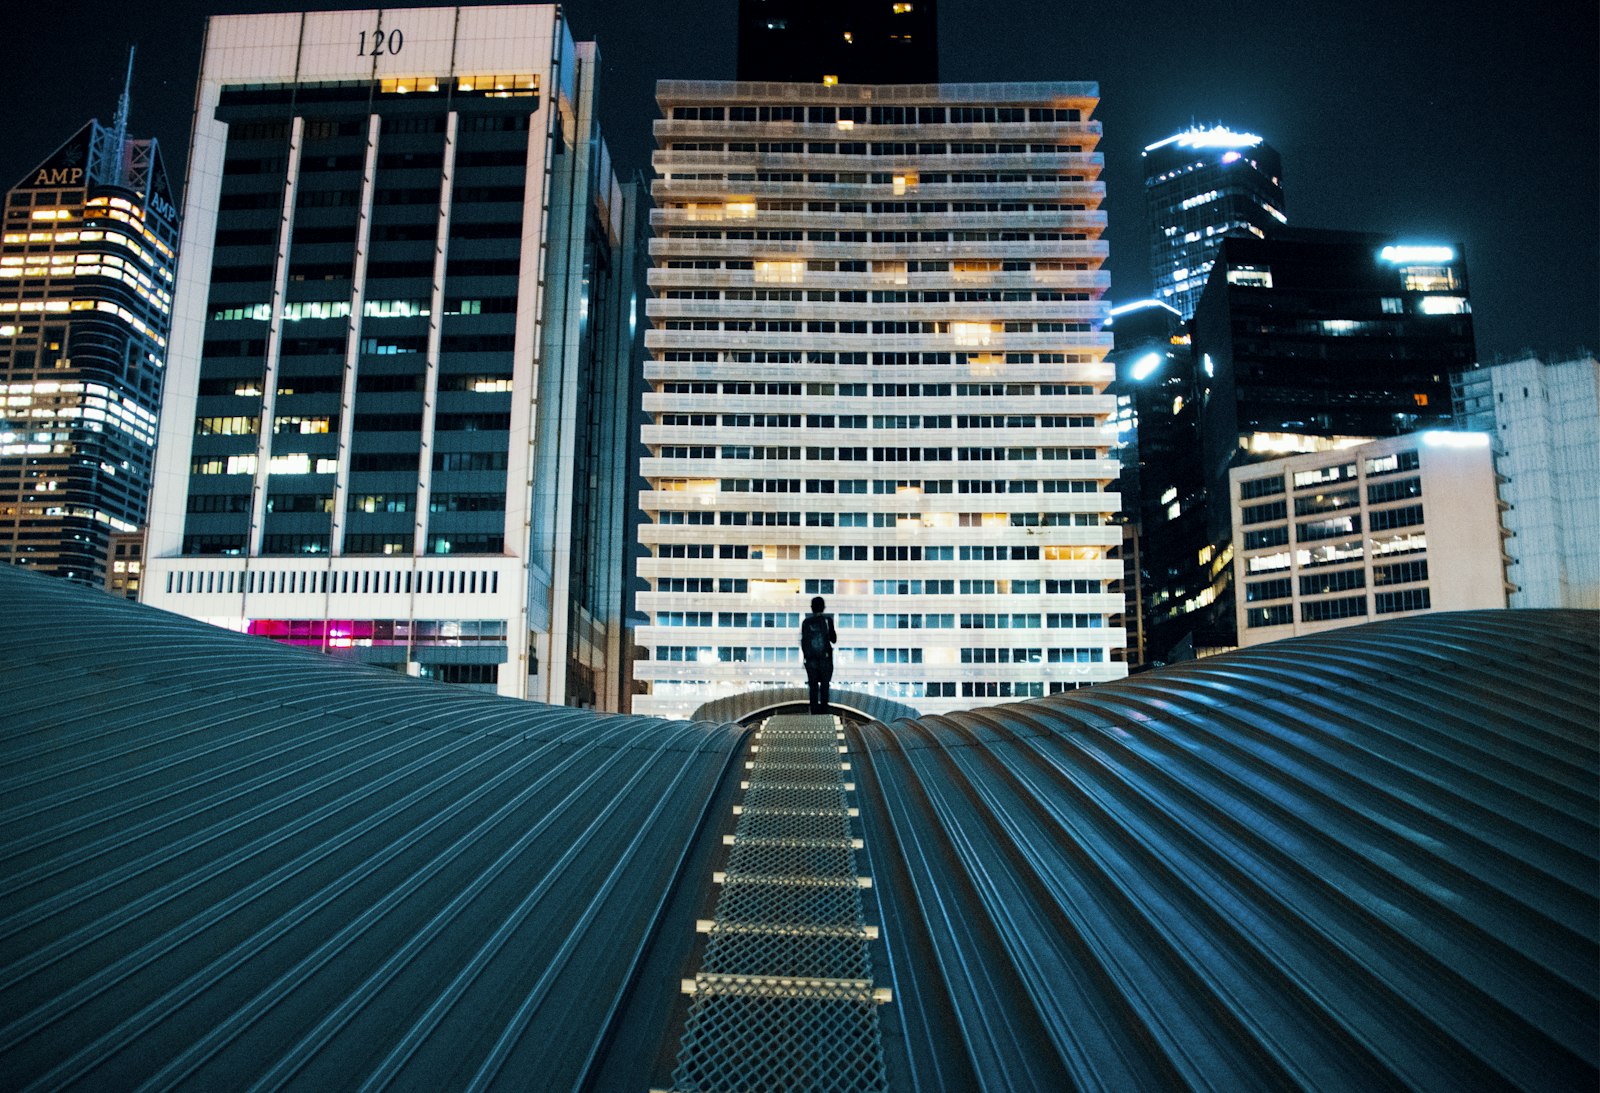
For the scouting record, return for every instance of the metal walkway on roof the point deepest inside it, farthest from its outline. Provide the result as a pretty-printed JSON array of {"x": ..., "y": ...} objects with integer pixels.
[{"x": 785, "y": 997}]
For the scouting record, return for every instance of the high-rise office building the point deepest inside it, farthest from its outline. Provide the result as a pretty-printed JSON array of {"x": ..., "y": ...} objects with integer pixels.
[
  {"x": 86, "y": 281},
  {"x": 1328, "y": 333},
  {"x": 1340, "y": 536},
  {"x": 838, "y": 41},
  {"x": 877, "y": 374},
  {"x": 1199, "y": 185},
  {"x": 1544, "y": 418},
  {"x": 402, "y": 349}
]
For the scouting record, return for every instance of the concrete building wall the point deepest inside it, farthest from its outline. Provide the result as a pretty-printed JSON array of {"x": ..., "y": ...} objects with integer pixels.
[
  {"x": 1545, "y": 419},
  {"x": 1397, "y": 526},
  {"x": 877, "y": 374}
]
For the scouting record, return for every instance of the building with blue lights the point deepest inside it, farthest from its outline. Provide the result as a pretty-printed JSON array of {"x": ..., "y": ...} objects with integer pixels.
[
  {"x": 86, "y": 281},
  {"x": 1305, "y": 340},
  {"x": 1200, "y": 185},
  {"x": 1160, "y": 394},
  {"x": 398, "y": 426}
]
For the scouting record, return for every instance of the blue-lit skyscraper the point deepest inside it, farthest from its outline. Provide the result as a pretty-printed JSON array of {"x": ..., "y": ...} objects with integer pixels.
[
  {"x": 1199, "y": 185},
  {"x": 86, "y": 284}
]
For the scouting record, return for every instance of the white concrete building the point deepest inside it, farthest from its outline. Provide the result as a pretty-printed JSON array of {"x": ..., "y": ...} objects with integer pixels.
[
  {"x": 877, "y": 374},
  {"x": 402, "y": 350},
  {"x": 1545, "y": 420},
  {"x": 1337, "y": 537}
]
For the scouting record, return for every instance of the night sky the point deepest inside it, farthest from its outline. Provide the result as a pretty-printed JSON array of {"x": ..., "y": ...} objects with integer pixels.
[{"x": 1472, "y": 121}]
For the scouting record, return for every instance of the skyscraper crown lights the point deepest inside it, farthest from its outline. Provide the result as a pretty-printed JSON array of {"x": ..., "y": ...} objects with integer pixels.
[{"x": 1218, "y": 136}]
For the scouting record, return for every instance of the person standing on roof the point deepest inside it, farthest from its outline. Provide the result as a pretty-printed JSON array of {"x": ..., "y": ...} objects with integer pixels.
[{"x": 817, "y": 639}]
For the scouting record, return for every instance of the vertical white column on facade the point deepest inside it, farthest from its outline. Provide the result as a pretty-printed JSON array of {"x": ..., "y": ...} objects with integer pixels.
[
  {"x": 269, "y": 382},
  {"x": 352, "y": 349},
  {"x": 522, "y": 466},
  {"x": 430, "y": 380}
]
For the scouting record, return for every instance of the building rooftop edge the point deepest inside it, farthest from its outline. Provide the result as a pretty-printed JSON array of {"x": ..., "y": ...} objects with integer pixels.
[{"x": 877, "y": 92}]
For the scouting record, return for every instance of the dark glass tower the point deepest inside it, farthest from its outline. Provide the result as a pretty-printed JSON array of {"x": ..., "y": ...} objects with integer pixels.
[
  {"x": 1302, "y": 341},
  {"x": 1200, "y": 185},
  {"x": 86, "y": 283},
  {"x": 838, "y": 41}
]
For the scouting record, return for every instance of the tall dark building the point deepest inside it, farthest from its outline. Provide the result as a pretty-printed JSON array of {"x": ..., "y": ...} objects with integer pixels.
[
  {"x": 86, "y": 283},
  {"x": 1301, "y": 341},
  {"x": 838, "y": 41},
  {"x": 1199, "y": 186},
  {"x": 1327, "y": 334},
  {"x": 1163, "y": 488}
]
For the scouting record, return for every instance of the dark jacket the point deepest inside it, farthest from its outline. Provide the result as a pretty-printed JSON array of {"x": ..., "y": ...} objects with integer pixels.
[{"x": 814, "y": 622}]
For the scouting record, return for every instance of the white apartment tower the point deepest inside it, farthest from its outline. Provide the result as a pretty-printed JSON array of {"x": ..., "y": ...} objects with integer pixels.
[
  {"x": 877, "y": 373},
  {"x": 401, "y": 351},
  {"x": 1544, "y": 416}
]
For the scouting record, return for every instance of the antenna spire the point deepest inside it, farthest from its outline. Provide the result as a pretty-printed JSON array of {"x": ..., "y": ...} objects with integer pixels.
[{"x": 119, "y": 129}]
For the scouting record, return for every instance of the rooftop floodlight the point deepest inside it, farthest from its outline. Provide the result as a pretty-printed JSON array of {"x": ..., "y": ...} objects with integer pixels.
[
  {"x": 1219, "y": 136},
  {"x": 1145, "y": 366},
  {"x": 1402, "y": 254}
]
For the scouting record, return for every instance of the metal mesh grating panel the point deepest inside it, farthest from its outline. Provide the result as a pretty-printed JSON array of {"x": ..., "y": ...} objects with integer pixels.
[
  {"x": 766, "y": 795},
  {"x": 795, "y": 823},
  {"x": 790, "y": 904},
  {"x": 778, "y": 859},
  {"x": 840, "y": 955},
  {"x": 831, "y": 1044},
  {"x": 784, "y": 999}
]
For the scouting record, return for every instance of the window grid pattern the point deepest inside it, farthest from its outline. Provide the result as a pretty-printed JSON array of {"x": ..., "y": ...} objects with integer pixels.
[{"x": 877, "y": 342}]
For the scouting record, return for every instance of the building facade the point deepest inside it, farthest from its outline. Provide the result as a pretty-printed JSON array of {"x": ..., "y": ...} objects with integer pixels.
[
  {"x": 86, "y": 282},
  {"x": 402, "y": 346},
  {"x": 877, "y": 374},
  {"x": 1336, "y": 537},
  {"x": 1544, "y": 418},
  {"x": 1200, "y": 185},
  {"x": 1160, "y": 395}
]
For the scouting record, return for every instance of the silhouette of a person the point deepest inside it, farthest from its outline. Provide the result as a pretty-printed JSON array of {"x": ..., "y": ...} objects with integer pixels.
[{"x": 817, "y": 639}]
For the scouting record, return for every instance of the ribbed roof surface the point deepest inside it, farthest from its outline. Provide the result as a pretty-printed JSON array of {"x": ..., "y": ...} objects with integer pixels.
[
  {"x": 224, "y": 862},
  {"x": 1362, "y": 860},
  {"x": 1358, "y": 861}
]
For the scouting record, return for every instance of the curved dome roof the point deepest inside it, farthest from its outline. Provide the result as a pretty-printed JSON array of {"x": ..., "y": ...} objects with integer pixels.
[{"x": 1362, "y": 859}]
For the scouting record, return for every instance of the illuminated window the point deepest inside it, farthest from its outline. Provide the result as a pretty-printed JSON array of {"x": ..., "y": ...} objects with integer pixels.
[
  {"x": 1428, "y": 279},
  {"x": 974, "y": 333},
  {"x": 1250, "y": 276},
  {"x": 889, "y": 273},
  {"x": 740, "y": 207},
  {"x": 830, "y": 81},
  {"x": 904, "y": 182},
  {"x": 519, "y": 85},
  {"x": 902, "y": 9},
  {"x": 775, "y": 272},
  {"x": 1444, "y": 305}
]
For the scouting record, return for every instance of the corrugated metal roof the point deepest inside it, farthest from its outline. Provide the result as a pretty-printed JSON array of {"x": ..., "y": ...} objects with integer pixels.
[
  {"x": 1364, "y": 860},
  {"x": 1361, "y": 860},
  {"x": 224, "y": 862}
]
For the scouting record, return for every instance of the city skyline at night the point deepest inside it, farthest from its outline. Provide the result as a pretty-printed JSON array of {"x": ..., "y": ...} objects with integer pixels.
[{"x": 1380, "y": 112}]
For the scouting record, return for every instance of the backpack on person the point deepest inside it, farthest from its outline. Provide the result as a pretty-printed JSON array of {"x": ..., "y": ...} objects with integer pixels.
[{"x": 814, "y": 637}]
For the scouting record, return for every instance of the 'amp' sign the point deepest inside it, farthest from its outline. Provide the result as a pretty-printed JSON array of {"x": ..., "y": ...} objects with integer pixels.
[{"x": 58, "y": 176}]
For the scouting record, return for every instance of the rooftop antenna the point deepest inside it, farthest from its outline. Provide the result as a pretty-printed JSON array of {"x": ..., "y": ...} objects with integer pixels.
[
  {"x": 108, "y": 147},
  {"x": 119, "y": 128}
]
